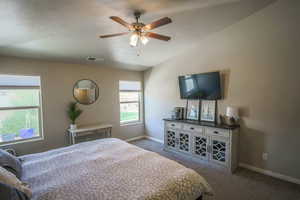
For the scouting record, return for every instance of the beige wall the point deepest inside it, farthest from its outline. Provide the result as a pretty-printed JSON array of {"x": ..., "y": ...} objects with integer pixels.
[
  {"x": 259, "y": 57},
  {"x": 57, "y": 84}
]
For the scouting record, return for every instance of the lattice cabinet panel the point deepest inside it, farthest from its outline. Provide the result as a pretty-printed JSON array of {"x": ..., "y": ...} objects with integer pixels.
[
  {"x": 219, "y": 150},
  {"x": 200, "y": 146},
  {"x": 171, "y": 138},
  {"x": 212, "y": 144},
  {"x": 184, "y": 142}
]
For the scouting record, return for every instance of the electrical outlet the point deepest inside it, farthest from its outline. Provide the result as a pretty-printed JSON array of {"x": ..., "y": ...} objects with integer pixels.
[{"x": 265, "y": 156}]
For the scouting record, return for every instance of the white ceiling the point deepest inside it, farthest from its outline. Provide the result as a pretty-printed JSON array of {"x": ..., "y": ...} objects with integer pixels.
[{"x": 68, "y": 30}]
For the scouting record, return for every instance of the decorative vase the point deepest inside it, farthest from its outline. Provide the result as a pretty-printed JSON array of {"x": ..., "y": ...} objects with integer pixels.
[{"x": 73, "y": 126}]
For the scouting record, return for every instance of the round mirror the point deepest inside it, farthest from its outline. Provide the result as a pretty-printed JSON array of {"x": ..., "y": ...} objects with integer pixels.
[{"x": 86, "y": 91}]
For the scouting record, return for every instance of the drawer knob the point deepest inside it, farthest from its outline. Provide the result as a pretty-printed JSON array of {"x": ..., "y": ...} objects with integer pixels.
[
  {"x": 216, "y": 132},
  {"x": 192, "y": 128},
  {"x": 172, "y": 124}
]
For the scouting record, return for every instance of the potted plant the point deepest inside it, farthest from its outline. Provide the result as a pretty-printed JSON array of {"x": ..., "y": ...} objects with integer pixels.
[{"x": 73, "y": 112}]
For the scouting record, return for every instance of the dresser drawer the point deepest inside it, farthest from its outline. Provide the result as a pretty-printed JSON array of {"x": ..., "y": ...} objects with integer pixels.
[
  {"x": 174, "y": 125},
  {"x": 217, "y": 131},
  {"x": 194, "y": 128}
]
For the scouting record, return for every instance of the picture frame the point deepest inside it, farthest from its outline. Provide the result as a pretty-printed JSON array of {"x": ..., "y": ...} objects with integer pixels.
[
  {"x": 208, "y": 110},
  {"x": 192, "y": 109}
]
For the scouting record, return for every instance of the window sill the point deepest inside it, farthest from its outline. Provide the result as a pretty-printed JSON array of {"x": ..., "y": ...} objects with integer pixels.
[
  {"x": 132, "y": 123},
  {"x": 35, "y": 139}
]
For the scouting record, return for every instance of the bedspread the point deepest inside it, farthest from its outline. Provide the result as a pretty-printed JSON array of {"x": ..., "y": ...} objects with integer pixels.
[{"x": 109, "y": 169}]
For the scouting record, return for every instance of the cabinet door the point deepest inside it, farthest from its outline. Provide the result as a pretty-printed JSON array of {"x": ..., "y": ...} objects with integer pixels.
[
  {"x": 219, "y": 150},
  {"x": 170, "y": 139},
  {"x": 184, "y": 141},
  {"x": 200, "y": 146}
]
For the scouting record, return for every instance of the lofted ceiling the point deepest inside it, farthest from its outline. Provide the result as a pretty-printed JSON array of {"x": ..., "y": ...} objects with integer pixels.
[{"x": 68, "y": 30}]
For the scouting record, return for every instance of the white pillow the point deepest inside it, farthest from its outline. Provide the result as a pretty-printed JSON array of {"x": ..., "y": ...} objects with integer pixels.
[{"x": 10, "y": 179}]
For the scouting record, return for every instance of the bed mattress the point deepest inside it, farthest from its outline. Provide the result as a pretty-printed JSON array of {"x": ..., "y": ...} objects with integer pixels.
[{"x": 109, "y": 169}]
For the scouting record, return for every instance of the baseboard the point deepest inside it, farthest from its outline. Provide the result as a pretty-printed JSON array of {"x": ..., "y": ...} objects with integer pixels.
[
  {"x": 135, "y": 138},
  {"x": 270, "y": 173},
  {"x": 146, "y": 137},
  {"x": 244, "y": 165},
  {"x": 154, "y": 139}
]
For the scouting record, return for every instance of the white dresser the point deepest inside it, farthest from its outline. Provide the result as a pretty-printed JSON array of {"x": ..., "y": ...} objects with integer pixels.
[{"x": 206, "y": 142}]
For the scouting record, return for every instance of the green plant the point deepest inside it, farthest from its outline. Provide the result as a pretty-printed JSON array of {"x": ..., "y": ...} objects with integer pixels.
[{"x": 73, "y": 112}]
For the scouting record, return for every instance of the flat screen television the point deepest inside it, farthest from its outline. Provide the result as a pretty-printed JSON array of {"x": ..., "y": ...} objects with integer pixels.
[{"x": 205, "y": 86}]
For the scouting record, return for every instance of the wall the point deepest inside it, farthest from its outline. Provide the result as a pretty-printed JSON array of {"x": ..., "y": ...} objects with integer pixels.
[
  {"x": 259, "y": 60},
  {"x": 57, "y": 85}
]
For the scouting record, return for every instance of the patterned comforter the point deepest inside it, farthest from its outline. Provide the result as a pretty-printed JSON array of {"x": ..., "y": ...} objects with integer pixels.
[{"x": 109, "y": 169}]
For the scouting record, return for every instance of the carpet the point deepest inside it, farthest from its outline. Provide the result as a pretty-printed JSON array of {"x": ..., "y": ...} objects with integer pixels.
[{"x": 242, "y": 185}]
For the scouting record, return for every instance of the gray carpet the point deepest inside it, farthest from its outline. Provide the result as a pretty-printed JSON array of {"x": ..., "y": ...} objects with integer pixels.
[{"x": 242, "y": 185}]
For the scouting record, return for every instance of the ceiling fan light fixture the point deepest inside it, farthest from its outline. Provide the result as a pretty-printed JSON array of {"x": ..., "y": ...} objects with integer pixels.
[
  {"x": 140, "y": 31},
  {"x": 134, "y": 39},
  {"x": 144, "y": 40}
]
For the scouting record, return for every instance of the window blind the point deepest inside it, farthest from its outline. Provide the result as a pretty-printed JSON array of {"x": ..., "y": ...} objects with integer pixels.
[
  {"x": 130, "y": 85},
  {"x": 14, "y": 80}
]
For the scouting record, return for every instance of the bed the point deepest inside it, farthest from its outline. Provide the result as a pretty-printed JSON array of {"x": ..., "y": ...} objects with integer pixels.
[{"x": 109, "y": 169}]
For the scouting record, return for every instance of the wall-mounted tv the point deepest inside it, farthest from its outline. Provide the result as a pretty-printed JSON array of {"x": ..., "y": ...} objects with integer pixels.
[{"x": 205, "y": 86}]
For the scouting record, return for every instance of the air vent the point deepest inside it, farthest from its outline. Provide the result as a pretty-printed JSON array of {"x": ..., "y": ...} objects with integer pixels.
[
  {"x": 91, "y": 58},
  {"x": 94, "y": 59}
]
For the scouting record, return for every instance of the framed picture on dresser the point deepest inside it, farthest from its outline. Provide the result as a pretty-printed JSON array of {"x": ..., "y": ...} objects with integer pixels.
[
  {"x": 208, "y": 110},
  {"x": 192, "y": 110}
]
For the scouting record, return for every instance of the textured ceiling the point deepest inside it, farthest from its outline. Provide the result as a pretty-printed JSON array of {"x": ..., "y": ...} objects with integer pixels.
[{"x": 68, "y": 30}]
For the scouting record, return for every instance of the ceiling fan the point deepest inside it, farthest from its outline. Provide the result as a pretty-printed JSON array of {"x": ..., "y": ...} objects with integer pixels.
[{"x": 140, "y": 31}]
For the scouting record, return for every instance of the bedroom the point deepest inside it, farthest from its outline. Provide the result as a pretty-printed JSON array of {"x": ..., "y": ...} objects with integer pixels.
[{"x": 253, "y": 44}]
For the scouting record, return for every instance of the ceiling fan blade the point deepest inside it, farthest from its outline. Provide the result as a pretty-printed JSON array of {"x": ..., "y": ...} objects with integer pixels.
[
  {"x": 122, "y": 22},
  {"x": 113, "y": 35},
  {"x": 158, "y": 23},
  {"x": 157, "y": 36}
]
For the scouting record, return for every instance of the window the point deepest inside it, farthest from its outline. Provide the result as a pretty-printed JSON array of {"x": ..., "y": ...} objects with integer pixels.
[
  {"x": 20, "y": 110},
  {"x": 130, "y": 101}
]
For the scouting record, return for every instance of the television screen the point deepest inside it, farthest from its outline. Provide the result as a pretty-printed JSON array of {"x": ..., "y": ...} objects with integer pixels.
[{"x": 200, "y": 86}]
